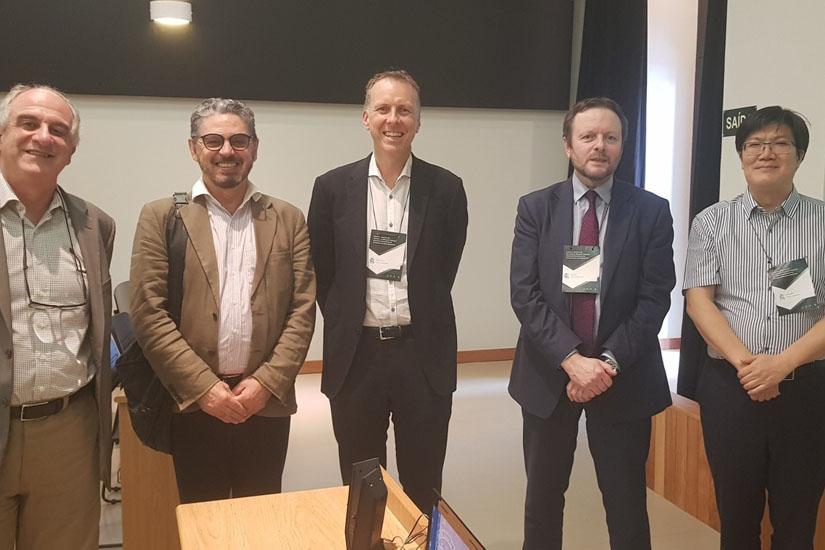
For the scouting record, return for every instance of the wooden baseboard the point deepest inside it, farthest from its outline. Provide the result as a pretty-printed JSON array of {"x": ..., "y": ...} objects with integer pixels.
[{"x": 483, "y": 355}]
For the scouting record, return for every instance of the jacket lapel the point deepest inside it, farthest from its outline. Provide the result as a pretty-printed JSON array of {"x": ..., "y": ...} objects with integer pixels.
[
  {"x": 265, "y": 223},
  {"x": 89, "y": 241},
  {"x": 196, "y": 220},
  {"x": 561, "y": 235},
  {"x": 621, "y": 212},
  {"x": 356, "y": 211},
  {"x": 420, "y": 186},
  {"x": 5, "y": 292}
]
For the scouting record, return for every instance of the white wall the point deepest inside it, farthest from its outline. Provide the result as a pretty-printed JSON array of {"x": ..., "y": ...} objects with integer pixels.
[
  {"x": 671, "y": 66},
  {"x": 133, "y": 150},
  {"x": 773, "y": 56}
]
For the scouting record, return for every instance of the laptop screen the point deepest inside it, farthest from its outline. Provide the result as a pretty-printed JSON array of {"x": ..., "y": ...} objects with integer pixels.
[{"x": 448, "y": 532}]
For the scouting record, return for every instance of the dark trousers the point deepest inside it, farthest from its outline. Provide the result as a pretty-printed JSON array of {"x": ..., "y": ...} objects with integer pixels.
[
  {"x": 385, "y": 381},
  {"x": 619, "y": 452},
  {"x": 775, "y": 446},
  {"x": 214, "y": 460}
]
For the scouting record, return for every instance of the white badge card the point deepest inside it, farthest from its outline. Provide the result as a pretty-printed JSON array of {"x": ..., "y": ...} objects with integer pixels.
[
  {"x": 792, "y": 287},
  {"x": 385, "y": 255},
  {"x": 581, "y": 270}
]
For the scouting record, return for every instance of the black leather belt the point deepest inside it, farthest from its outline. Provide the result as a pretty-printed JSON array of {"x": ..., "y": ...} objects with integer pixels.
[
  {"x": 232, "y": 380},
  {"x": 392, "y": 332},
  {"x": 34, "y": 411}
]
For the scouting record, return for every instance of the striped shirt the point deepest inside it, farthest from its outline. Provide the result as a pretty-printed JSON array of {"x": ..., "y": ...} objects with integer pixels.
[
  {"x": 233, "y": 236},
  {"x": 732, "y": 246},
  {"x": 51, "y": 348}
]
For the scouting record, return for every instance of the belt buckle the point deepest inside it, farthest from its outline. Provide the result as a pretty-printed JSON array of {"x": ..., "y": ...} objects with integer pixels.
[
  {"x": 26, "y": 406},
  {"x": 791, "y": 377},
  {"x": 390, "y": 335}
]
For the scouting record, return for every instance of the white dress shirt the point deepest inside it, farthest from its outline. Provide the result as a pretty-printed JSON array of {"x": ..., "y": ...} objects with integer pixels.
[
  {"x": 388, "y": 210},
  {"x": 233, "y": 236}
]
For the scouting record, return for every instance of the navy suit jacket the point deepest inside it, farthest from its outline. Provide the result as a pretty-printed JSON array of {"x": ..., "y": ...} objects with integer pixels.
[
  {"x": 437, "y": 229},
  {"x": 637, "y": 278}
]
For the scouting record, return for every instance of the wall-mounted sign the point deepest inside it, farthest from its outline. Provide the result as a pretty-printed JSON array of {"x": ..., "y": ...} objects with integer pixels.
[{"x": 732, "y": 119}]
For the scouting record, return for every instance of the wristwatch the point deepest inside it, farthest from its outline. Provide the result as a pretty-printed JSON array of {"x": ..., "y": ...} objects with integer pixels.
[{"x": 610, "y": 361}]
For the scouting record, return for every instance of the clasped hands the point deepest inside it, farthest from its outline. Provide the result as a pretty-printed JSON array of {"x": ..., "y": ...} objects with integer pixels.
[
  {"x": 589, "y": 377},
  {"x": 760, "y": 375},
  {"x": 236, "y": 405}
]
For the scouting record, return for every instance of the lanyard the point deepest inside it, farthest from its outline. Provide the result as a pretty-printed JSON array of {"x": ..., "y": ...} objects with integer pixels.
[{"x": 761, "y": 244}]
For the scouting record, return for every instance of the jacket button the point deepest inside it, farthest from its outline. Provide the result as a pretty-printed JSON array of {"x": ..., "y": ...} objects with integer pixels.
[{"x": 9, "y": 354}]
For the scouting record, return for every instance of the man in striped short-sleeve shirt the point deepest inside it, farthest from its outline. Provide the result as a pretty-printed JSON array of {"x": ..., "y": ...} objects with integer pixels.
[{"x": 755, "y": 288}]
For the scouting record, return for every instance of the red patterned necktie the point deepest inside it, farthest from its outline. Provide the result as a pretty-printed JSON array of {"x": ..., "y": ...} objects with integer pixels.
[{"x": 584, "y": 305}]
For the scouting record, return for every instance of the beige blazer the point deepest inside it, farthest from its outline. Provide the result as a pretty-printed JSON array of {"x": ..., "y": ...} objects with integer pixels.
[
  {"x": 283, "y": 302},
  {"x": 95, "y": 232}
]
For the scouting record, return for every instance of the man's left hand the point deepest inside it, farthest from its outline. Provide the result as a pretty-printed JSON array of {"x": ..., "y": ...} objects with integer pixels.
[
  {"x": 577, "y": 394},
  {"x": 252, "y": 395},
  {"x": 763, "y": 372}
]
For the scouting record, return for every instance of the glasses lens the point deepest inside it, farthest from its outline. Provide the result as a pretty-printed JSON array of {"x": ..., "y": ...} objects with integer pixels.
[
  {"x": 239, "y": 142},
  {"x": 213, "y": 142}
]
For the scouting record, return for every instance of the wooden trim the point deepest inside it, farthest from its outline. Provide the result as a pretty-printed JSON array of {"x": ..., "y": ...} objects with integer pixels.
[
  {"x": 312, "y": 367},
  {"x": 480, "y": 355},
  {"x": 486, "y": 355}
]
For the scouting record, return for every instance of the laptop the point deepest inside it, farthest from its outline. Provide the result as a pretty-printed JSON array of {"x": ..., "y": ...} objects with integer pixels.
[{"x": 447, "y": 531}]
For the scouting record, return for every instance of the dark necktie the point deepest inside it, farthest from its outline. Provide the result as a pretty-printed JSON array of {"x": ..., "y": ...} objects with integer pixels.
[{"x": 584, "y": 305}]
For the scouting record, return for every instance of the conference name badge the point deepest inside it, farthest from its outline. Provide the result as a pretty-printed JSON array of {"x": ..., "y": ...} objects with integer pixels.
[
  {"x": 581, "y": 269},
  {"x": 792, "y": 287},
  {"x": 385, "y": 255}
]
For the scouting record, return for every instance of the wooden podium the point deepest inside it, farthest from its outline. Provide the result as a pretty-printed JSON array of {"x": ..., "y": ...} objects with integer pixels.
[
  {"x": 148, "y": 489},
  {"x": 310, "y": 519},
  {"x": 287, "y": 521}
]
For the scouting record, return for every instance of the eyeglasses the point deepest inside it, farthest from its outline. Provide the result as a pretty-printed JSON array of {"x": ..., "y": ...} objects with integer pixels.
[
  {"x": 79, "y": 270},
  {"x": 779, "y": 148},
  {"x": 214, "y": 142}
]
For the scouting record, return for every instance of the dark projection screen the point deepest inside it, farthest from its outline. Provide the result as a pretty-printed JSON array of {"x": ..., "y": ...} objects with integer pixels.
[{"x": 464, "y": 53}]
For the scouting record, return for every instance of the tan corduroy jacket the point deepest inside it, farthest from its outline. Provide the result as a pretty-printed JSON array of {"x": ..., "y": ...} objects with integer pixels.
[{"x": 283, "y": 301}]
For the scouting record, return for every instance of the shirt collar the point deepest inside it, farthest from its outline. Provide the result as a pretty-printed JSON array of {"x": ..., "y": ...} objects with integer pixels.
[
  {"x": 7, "y": 195},
  {"x": 789, "y": 206},
  {"x": 200, "y": 190},
  {"x": 604, "y": 191},
  {"x": 374, "y": 171}
]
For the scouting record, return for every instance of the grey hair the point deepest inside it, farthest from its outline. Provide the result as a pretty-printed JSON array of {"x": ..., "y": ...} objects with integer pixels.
[
  {"x": 221, "y": 106},
  {"x": 17, "y": 89}
]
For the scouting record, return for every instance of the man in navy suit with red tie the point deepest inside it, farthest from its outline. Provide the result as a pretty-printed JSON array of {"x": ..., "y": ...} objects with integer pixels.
[{"x": 590, "y": 279}]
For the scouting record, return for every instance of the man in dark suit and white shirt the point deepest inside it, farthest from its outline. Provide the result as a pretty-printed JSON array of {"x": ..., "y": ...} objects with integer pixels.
[
  {"x": 589, "y": 338},
  {"x": 387, "y": 233}
]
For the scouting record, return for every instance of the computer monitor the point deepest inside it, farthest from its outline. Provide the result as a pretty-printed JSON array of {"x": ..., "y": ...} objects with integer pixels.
[
  {"x": 447, "y": 531},
  {"x": 365, "y": 506}
]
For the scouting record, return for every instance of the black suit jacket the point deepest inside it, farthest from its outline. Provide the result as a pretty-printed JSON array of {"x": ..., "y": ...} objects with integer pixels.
[
  {"x": 437, "y": 229},
  {"x": 637, "y": 278}
]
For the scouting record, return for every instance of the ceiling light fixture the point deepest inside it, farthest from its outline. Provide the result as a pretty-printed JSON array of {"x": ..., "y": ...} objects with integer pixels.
[{"x": 170, "y": 12}]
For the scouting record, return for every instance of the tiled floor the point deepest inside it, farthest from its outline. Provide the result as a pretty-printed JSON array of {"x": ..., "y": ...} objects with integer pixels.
[{"x": 484, "y": 473}]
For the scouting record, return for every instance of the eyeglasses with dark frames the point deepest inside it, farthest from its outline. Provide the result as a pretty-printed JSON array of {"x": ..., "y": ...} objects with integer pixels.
[
  {"x": 214, "y": 142},
  {"x": 81, "y": 272}
]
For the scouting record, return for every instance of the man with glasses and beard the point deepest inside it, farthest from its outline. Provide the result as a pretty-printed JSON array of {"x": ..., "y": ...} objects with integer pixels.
[
  {"x": 247, "y": 315},
  {"x": 55, "y": 307},
  {"x": 755, "y": 288}
]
